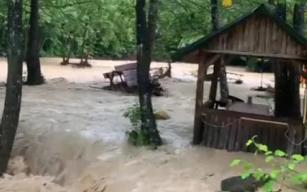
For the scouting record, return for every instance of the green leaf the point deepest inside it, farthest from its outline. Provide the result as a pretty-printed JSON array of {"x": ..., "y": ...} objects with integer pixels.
[
  {"x": 259, "y": 174},
  {"x": 279, "y": 153},
  {"x": 292, "y": 166},
  {"x": 235, "y": 163},
  {"x": 249, "y": 142},
  {"x": 300, "y": 178},
  {"x": 297, "y": 158},
  {"x": 262, "y": 147},
  {"x": 268, "y": 187},
  {"x": 247, "y": 166},
  {"x": 269, "y": 159},
  {"x": 268, "y": 153},
  {"x": 246, "y": 175},
  {"x": 274, "y": 174}
]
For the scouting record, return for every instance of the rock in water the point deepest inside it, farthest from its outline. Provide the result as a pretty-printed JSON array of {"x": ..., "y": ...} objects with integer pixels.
[
  {"x": 2, "y": 84},
  {"x": 162, "y": 115},
  {"x": 236, "y": 184}
]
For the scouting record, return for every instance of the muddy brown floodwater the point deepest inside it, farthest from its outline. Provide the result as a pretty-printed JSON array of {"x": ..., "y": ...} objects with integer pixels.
[{"x": 72, "y": 136}]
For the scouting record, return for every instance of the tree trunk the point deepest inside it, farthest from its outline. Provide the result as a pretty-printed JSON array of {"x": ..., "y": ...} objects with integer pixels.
[
  {"x": 295, "y": 68},
  {"x": 224, "y": 90},
  {"x": 271, "y": 2},
  {"x": 10, "y": 117},
  {"x": 222, "y": 75},
  {"x": 282, "y": 101},
  {"x": 215, "y": 18},
  {"x": 32, "y": 58},
  {"x": 287, "y": 95},
  {"x": 281, "y": 76},
  {"x": 298, "y": 18},
  {"x": 146, "y": 27},
  {"x": 281, "y": 11}
]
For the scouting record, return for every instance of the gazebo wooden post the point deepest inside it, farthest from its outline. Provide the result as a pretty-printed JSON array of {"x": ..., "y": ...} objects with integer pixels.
[
  {"x": 198, "y": 128},
  {"x": 224, "y": 90},
  {"x": 214, "y": 82}
]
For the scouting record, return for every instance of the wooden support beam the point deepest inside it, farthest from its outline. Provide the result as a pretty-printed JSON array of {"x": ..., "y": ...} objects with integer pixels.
[
  {"x": 198, "y": 128},
  {"x": 214, "y": 78},
  {"x": 214, "y": 82},
  {"x": 224, "y": 90},
  {"x": 265, "y": 55}
]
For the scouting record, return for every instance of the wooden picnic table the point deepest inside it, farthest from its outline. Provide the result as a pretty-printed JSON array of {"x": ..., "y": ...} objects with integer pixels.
[{"x": 256, "y": 109}]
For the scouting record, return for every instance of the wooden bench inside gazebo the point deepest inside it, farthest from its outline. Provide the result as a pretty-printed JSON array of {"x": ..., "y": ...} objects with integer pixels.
[{"x": 226, "y": 124}]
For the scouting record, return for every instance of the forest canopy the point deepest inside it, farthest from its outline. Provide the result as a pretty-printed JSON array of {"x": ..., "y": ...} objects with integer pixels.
[{"x": 106, "y": 28}]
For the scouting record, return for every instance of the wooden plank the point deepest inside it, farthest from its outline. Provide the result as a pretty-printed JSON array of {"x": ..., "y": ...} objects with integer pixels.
[
  {"x": 246, "y": 35},
  {"x": 283, "y": 40},
  {"x": 214, "y": 82},
  {"x": 232, "y": 137},
  {"x": 239, "y": 40},
  {"x": 198, "y": 127},
  {"x": 216, "y": 133},
  {"x": 265, "y": 121},
  {"x": 275, "y": 44},
  {"x": 126, "y": 67},
  {"x": 237, "y": 136},
  {"x": 205, "y": 128},
  {"x": 227, "y": 135},
  {"x": 268, "y": 36},
  {"x": 223, "y": 134},
  {"x": 130, "y": 77},
  {"x": 261, "y": 29},
  {"x": 210, "y": 131},
  {"x": 280, "y": 56},
  {"x": 252, "y": 35}
]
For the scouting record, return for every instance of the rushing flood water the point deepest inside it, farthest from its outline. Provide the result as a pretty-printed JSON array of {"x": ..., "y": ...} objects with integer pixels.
[{"x": 76, "y": 134}]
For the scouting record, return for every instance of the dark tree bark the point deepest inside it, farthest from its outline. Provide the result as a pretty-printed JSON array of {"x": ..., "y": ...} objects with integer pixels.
[
  {"x": 271, "y": 2},
  {"x": 146, "y": 22},
  {"x": 299, "y": 18},
  {"x": 281, "y": 11},
  {"x": 281, "y": 75},
  {"x": 287, "y": 75},
  {"x": 220, "y": 70},
  {"x": 295, "y": 69},
  {"x": 10, "y": 117},
  {"x": 215, "y": 16},
  {"x": 35, "y": 76}
]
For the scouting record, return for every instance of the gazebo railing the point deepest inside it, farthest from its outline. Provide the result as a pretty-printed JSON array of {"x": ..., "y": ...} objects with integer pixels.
[{"x": 231, "y": 130}]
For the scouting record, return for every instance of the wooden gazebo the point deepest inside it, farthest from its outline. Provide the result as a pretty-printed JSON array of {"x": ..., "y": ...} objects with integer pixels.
[{"x": 219, "y": 124}]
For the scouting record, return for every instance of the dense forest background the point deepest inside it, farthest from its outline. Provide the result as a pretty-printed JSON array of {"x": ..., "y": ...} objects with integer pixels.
[{"x": 106, "y": 28}]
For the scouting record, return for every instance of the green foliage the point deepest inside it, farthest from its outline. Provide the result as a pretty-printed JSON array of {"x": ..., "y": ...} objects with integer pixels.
[
  {"x": 137, "y": 136},
  {"x": 106, "y": 28},
  {"x": 282, "y": 169}
]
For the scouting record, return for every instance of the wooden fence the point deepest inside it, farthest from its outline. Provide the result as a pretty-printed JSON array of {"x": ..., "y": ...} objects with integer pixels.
[{"x": 231, "y": 130}]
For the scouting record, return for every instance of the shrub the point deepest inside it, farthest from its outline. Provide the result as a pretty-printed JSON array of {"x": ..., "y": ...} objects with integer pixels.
[
  {"x": 283, "y": 169},
  {"x": 137, "y": 136}
]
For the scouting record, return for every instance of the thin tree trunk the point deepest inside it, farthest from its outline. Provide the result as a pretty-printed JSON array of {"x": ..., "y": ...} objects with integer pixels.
[
  {"x": 299, "y": 18},
  {"x": 10, "y": 118},
  {"x": 222, "y": 75},
  {"x": 271, "y": 2},
  {"x": 32, "y": 58},
  {"x": 287, "y": 96},
  {"x": 146, "y": 27},
  {"x": 295, "y": 69},
  {"x": 281, "y": 75},
  {"x": 66, "y": 51},
  {"x": 215, "y": 17},
  {"x": 224, "y": 90}
]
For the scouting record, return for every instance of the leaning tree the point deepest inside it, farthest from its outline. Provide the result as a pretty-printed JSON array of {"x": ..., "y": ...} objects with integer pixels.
[{"x": 10, "y": 117}]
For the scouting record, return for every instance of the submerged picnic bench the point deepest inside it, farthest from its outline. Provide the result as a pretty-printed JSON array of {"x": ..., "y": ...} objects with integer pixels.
[{"x": 127, "y": 75}]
